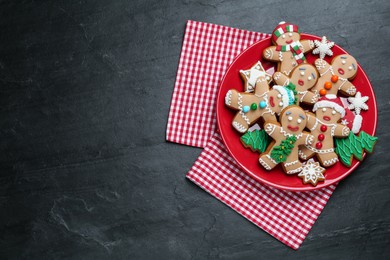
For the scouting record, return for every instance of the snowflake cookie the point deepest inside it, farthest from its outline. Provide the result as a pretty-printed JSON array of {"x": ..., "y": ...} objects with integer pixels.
[
  {"x": 358, "y": 103},
  {"x": 312, "y": 173},
  {"x": 323, "y": 47}
]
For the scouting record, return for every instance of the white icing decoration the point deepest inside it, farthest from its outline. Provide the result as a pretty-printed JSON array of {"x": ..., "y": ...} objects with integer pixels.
[
  {"x": 270, "y": 158},
  {"x": 240, "y": 128},
  {"x": 264, "y": 164},
  {"x": 228, "y": 97},
  {"x": 357, "y": 124},
  {"x": 302, "y": 155},
  {"x": 240, "y": 108},
  {"x": 323, "y": 47},
  {"x": 319, "y": 151},
  {"x": 270, "y": 129},
  {"x": 331, "y": 161},
  {"x": 295, "y": 170},
  {"x": 344, "y": 122},
  {"x": 358, "y": 103},
  {"x": 290, "y": 163}
]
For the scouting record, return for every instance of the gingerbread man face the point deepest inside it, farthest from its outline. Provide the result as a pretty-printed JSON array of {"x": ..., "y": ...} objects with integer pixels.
[
  {"x": 304, "y": 76},
  {"x": 293, "y": 119},
  {"x": 345, "y": 66},
  {"x": 275, "y": 101},
  {"x": 288, "y": 38},
  {"x": 328, "y": 115}
]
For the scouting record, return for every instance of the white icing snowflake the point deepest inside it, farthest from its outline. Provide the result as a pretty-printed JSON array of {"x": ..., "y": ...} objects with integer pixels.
[
  {"x": 344, "y": 122},
  {"x": 312, "y": 172},
  {"x": 358, "y": 103},
  {"x": 252, "y": 74},
  {"x": 323, "y": 47}
]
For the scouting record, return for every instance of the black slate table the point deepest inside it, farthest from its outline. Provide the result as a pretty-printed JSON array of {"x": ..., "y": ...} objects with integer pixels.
[{"x": 85, "y": 169}]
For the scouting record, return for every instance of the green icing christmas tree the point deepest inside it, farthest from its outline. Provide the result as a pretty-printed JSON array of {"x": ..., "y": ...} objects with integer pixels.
[
  {"x": 256, "y": 140},
  {"x": 353, "y": 146}
]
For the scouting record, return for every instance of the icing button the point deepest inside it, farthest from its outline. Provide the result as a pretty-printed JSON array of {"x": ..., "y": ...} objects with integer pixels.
[
  {"x": 262, "y": 104},
  {"x": 254, "y": 106},
  {"x": 245, "y": 109},
  {"x": 328, "y": 85},
  {"x": 323, "y": 92},
  {"x": 321, "y": 137},
  {"x": 323, "y": 128},
  {"x": 334, "y": 78},
  {"x": 318, "y": 145}
]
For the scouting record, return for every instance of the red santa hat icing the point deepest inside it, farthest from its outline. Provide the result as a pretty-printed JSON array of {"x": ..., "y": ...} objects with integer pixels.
[
  {"x": 330, "y": 101},
  {"x": 353, "y": 121},
  {"x": 282, "y": 28}
]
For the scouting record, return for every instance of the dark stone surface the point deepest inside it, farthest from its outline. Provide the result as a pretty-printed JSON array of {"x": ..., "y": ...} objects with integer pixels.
[{"x": 85, "y": 88}]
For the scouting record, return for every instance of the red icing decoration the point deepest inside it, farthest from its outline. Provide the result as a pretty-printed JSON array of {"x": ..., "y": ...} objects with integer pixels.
[
  {"x": 324, "y": 128},
  {"x": 321, "y": 137},
  {"x": 318, "y": 145}
]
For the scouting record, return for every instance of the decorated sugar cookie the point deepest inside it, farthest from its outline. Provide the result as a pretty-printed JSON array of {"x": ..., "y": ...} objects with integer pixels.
[
  {"x": 287, "y": 136},
  {"x": 323, "y": 47},
  {"x": 335, "y": 77},
  {"x": 312, "y": 173},
  {"x": 304, "y": 77},
  {"x": 290, "y": 50},
  {"x": 251, "y": 76},
  {"x": 324, "y": 125},
  {"x": 263, "y": 103}
]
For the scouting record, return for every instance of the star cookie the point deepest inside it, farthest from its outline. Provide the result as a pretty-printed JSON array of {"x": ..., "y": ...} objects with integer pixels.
[
  {"x": 251, "y": 75},
  {"x": 358, "y": 103},
  {"x": 323, "y": 47},
  {"x": 312, "y": 173}
]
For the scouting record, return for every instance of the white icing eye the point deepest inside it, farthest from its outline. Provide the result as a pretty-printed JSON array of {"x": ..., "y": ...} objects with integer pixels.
[
  {"x": 290, "y": 34},
  {"x": 309, "y": 78},
  {"x": 299, "y": 121},
  {"x": 290, "y": 118},
  {"x": 283, "y": 36},
  {"x": 279, "y": 95},
  {"x": 280, "y": 104},
  {"x": 350, "y": 68},
  {"x": 343, "y": 62},
  {"x": 302, "y": 73},
  {"x": 333, "y": 112},
  {"x": 323, "y": 109}
]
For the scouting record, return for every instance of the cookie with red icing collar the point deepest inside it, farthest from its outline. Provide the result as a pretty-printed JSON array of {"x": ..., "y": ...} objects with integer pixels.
[
  {"x": 324, "y": 125},
  {"x": 336, "y": 77},
  {"x": 287, "y": 136},
  {"x": 264, "y": 103},
  {"x": 289, "y": 50},
  {"x": 304, "y": 77}
]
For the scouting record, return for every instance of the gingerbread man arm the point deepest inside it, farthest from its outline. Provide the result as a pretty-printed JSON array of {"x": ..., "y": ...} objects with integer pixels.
[
  {"x": 272, "y": 128},
  {"x": 340, "y": 131},
  {"x": 281, "y": 79},
  {"x": 309, "y": 97},
  {"x": 271, "y": 54},
  {"x": 307, "y": 139},
  {"x": 307, "y": 45},
  {"x": 261, "y": 86},
  {"x": 321, "y": 65},
  {"x": 311, "y": 121},
  {"x": 348, "y": 89}
]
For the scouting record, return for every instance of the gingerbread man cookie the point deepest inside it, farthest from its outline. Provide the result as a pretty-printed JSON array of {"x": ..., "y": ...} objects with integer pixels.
[
  {"x": 335, "y": 77},
  {"x": 263, "y": 103},
  {"x": 251, "y": 75},
  {"x": 324, "y": 126},
  {"x": 287, "y": 137},
  {"x": 304, "y": 77},
  {"x": 289, "y": 50}
]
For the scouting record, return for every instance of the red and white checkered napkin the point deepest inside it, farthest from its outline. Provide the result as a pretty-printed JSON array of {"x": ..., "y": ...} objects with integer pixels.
[
  {"x": 208, "y": 50},
  {"x": 288, "y": 216}
]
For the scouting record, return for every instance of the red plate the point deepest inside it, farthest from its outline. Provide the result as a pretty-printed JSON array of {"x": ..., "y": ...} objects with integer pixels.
[{"x": 247, "y": 159}]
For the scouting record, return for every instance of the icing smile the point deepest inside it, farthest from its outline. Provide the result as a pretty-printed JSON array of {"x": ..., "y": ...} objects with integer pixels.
[
  {"x": 293, "y": 128},
  {"x": 289, "y": 41},
  {"x": 341, "y": 71},
  {"x": 301, "y": 82},
  {"x": 326, "y": 118},
  {"x": 271, "y": 101}
]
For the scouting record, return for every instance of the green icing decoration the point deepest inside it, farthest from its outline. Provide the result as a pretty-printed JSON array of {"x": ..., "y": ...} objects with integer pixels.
[
  {"x": 257, "y": 140},
  {"x": 254, "y": 106},
  {"x": 354, "y": 145},
  {"x": 292, "y": 87},
  {"x": 280, "y": 152}
]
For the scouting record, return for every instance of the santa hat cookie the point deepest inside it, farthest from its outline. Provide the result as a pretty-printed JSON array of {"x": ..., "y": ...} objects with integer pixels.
[
  {"x": 288, "y": 94},
  {"x": 282, "y": 28},
  {"x": 353, "y": 121},
  {"x": 330, "y": 101}
]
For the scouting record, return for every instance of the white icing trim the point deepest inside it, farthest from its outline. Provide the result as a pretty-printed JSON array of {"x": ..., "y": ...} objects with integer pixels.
[
  {"x": 309, "y": 139},
  {"x": 319, "y": 151},
  {"x": 289, "y": 135},
  {"x": 228, "y": 98},
  {"x": 295, "y": 171},
  {"x": 240, "y": 108},
  {"x": 345, "y": 131},
  {"x": 303, "y": 93},
  {"x": 270, "y": 158},
  {"x": 331, "y": 161},
  {"x": 270, "y": 129},
  {"x": 357, "y": 124},
  {"x": 331, "y": 104},
  {"x": 283, "y": 91},
  {"x": 291, "y": 163},
  {"x": 264, "y": 164},
  {"x": 302, "y": 155},
  {"x": 240, "y": 128}
]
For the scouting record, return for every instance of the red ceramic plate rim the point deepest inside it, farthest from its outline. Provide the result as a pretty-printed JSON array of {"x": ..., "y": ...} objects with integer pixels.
[{"x": 231, "y": 151}]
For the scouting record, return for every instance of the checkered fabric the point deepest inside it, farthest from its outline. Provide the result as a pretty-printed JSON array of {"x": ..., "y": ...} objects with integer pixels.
[
  {"x": 207, "y": 51},
  {"x": 288, "y": 216}
]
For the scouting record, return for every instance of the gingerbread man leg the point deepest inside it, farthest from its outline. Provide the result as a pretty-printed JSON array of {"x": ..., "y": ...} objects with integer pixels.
[
  {"x": 328, "y": 159},
  {"x": 240, "y": 123},
  {"x": 267, "y": 162},
  {"x": 232, "y": 98},
  {"x": 292, "y": 166},
  {"x": 305, "y": 153}
]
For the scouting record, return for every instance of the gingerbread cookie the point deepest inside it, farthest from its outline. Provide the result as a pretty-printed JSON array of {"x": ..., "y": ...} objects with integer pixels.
[
  {"x": 263, "y": 103},
  {"x": 289, "y": 50},
  {"x": 304, "y": 77},
  {"x": 335, "y": 77},
  {"x": 324, "y": 126},
  {"x": 251, "y": 75},
  {"x": 287, "y": 137},
  {"x": 312, "y": 173}
]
